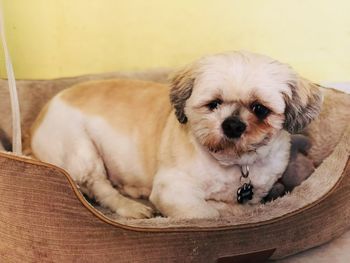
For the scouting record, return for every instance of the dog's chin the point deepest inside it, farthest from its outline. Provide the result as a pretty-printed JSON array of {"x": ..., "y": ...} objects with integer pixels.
[
  {"x": 230, "y": 156},
  {"x": 229, "y": 152},
  {"x": 239, "y": 151},
  {"x": 225, "y": 157}
]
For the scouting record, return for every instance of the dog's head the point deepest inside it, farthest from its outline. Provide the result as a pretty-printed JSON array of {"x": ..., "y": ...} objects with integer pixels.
[{"x": 237, "y": 102}]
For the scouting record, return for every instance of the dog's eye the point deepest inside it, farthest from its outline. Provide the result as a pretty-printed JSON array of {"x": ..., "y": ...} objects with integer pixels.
[
  {"x": 214, "y": 104},
  {"x": 260, "y": 110}
]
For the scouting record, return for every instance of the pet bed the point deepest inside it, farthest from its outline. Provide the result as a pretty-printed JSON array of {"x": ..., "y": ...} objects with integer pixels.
[{"x": 44, "y": 217}]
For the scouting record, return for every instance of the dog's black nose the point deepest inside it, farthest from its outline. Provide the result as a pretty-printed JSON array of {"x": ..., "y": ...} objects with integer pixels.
[{"x": 233, "y": 127}]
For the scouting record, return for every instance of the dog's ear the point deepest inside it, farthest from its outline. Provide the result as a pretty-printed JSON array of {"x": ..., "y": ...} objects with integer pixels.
[
  {"x": 302, "y": 106},
  {"x": 181, "y": 84}
]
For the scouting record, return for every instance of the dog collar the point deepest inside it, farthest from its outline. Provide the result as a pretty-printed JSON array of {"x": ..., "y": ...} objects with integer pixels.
[{"x": 245, "y": 191}]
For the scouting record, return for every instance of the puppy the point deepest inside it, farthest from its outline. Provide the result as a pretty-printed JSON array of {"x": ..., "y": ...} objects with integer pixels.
[{"x": 226, "y": 113}]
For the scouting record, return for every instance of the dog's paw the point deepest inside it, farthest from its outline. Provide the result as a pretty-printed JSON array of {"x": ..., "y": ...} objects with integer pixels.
[{"x": 135, "y": 210}]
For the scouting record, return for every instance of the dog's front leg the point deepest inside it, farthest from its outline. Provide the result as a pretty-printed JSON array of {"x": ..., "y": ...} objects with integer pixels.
[{"x": 176, "y": 194}]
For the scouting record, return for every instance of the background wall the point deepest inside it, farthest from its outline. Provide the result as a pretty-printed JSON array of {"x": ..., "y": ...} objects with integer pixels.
[{"x": 58, "y": 38}]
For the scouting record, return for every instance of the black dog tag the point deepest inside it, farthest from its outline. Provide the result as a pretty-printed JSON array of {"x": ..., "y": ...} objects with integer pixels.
[{"x": 245, "y": 193}]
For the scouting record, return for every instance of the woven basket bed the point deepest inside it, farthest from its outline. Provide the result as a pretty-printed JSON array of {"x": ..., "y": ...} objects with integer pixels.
[{"x": 45, "y": 218}]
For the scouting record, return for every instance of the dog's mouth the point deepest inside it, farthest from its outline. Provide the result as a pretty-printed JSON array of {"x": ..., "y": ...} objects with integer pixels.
[
  {"x": 222, "y": 145},
  {"x": 230, "y": 147},
  {"x": 233, "y": 147},
  {"x": 215, "y": 150},
  {"x": 225, "y": 146}
]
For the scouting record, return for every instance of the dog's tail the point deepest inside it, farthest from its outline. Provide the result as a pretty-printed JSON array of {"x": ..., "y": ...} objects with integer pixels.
[{"x": 5, "y": 141}]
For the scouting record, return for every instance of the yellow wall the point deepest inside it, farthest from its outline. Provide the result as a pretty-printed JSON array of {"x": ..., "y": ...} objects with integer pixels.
[{"x": 56, "y": 38}]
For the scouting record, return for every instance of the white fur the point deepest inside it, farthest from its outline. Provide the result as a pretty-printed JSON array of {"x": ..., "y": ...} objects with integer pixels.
[
  {"x": 73, "y": 149},
  {"x": 242, "y": 72},
  {"x": 204, "y": 178}
]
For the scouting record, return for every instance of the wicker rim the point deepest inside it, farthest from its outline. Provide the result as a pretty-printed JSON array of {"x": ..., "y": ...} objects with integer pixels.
[{"x": 105, "y": 219}]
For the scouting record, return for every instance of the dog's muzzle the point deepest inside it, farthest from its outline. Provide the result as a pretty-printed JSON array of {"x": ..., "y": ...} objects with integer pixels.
[{"x": 233, "y": 127}]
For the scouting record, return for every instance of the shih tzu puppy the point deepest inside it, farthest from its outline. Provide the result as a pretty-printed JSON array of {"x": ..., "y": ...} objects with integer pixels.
[{"x": 224, "y": 135}]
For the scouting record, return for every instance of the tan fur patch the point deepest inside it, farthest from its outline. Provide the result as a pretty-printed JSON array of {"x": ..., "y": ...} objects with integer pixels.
[
  {"x": 148, "y": 114},
  {"x": 176, "y": 144},
  {"x": 259, "y": 132}
]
